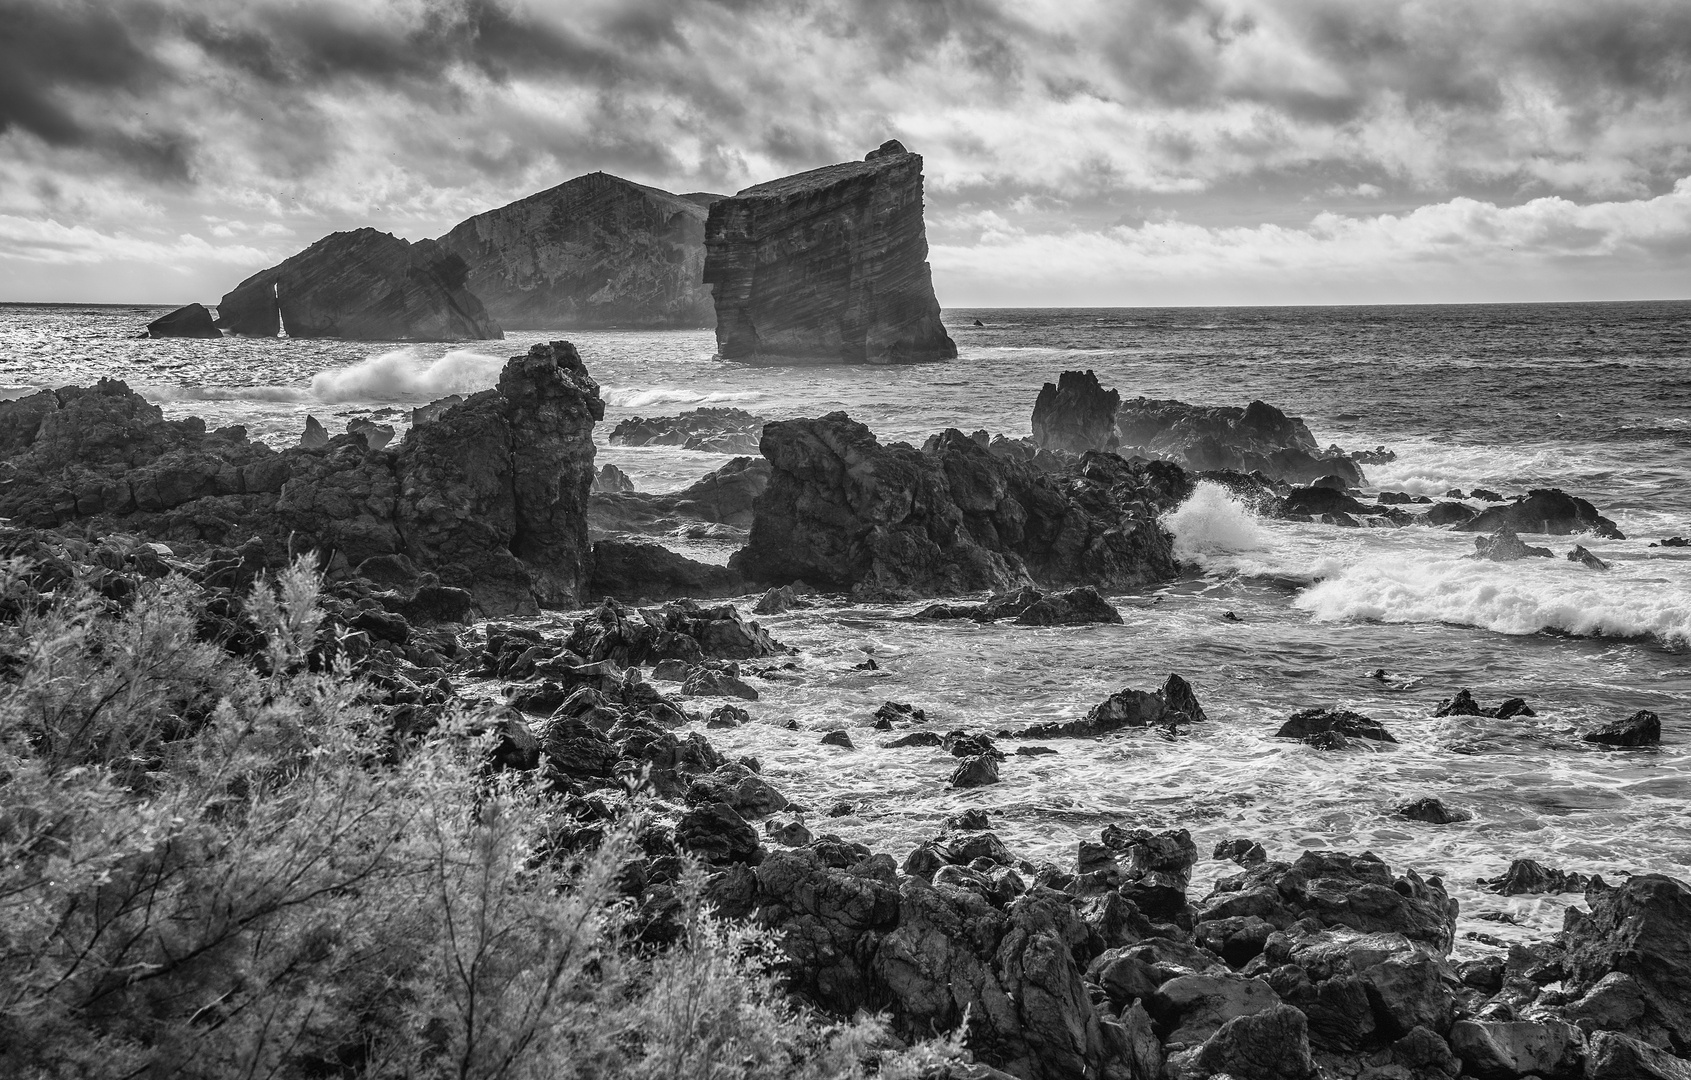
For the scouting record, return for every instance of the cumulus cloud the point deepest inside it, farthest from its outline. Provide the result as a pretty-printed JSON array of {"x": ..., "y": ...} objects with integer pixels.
[{"x": 310, "y": 115}]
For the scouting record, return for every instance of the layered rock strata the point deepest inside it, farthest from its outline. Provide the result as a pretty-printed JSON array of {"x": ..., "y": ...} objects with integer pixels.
[
  {"x": 489, "y": 496},
  {"x": 594, "y": 251},
  {"x": 843, "y": 511},
  {"x": 365, "y": 285},
  {"x": 827, "y": 267}
]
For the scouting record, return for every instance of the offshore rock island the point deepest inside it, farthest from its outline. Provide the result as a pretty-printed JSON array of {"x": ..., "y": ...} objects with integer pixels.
[{"x": 827, "y": 267}]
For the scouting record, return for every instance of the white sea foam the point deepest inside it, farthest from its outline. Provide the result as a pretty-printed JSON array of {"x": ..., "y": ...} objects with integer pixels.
[
  {"x": 1434, "y": 468},
  {"x": 170, "y": 392},
  {"x": 402, "y": 375},
  {"x": 1212, "y": 523},
  {"x": 633, "y": 397},
  {"x": 1510, "y": 598}
]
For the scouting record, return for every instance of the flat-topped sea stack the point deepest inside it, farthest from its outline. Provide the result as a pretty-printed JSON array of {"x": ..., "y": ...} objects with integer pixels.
[
  {"x": 595, "y": 251},
  {"x": 364, "y": 285},
  {"x": 827, "y": 267}
]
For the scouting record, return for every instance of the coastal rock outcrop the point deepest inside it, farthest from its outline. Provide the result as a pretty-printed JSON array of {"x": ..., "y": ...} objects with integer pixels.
[
  {"x": 717, "y": 431},
  {"x": 827, "y": 267},
  {"x": 594, "y": 251},
  {"x": 723, "y": 496},
  {"x": 844, "y": 512},
  {"x": 1544, "y": 510},
  {"x": 1256, "y": 438},
  {"x": 192, "y": 321},
  {"x": 489, "y": 496},
  {"x": 1076, "y": 414},
  {"x": 365, "y": 285}
]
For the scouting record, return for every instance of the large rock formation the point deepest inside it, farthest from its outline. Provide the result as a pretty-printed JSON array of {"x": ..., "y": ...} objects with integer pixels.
[
  {"x": 845, "y": 512},
  {"x": 1076, "y": 414},
  {"x": 191, "y": 321},
  {"x": 827, "y": 267},
  {"x": 1544, "y": 510},
  {"x": 1256, "y": 438},
  {"x": 365, "y": 285},
  {"x": 594, "y": 251},
  {"x": 490, "y": 495}
]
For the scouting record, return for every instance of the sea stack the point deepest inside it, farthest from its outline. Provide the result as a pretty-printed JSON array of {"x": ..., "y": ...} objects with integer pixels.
[
  {"x": 827, "y": 267},
  {"x": 364, "y": 285},
  {"x": 594, "y": 251}
]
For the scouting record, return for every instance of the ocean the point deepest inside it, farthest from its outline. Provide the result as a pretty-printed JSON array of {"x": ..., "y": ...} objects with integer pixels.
[{"x": 1592, "y": 398}]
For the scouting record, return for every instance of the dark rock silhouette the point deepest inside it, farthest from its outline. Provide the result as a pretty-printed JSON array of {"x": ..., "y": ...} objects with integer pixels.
[
  {"x": 1076, "y": 414},
  {"x": 1544, "y": 510},
  {"x": 192, "y": 321},
  {"x": 724, "y": 496},
  {"x": 1302, "y": 725},
  {"x": 719, "y": 431},
  {"x": 364, "y": 285},
  {"x": 594, "y": 251},
  {"x": 1642, "y": 728},
  {"x": 646, "y": 571},
  {"x": 1256, "y": 438},
  {"x": 844, "y": 512},
  {"x": 490, "y": 496},
  {"x": 1505, "y": 546},
  {"x": 827, "y": 267}
]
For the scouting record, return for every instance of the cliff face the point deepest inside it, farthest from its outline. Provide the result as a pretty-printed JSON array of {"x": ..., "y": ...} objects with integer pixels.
[
  {"x": 827, "y": 267},
  {"x": 364, "y": 285},
  {"x": 594, "y": 251}
]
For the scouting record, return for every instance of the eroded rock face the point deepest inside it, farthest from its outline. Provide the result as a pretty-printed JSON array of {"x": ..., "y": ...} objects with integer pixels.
[
  {"x": 1256, "y": 438},
  {"x": 364, "y": 285},
  {"x": 594, "y": 251},
  {"x": 843, "y": 511},
  {"x": 827, "y": 267},
  {"x": 1076, "y": 414},
  {"x": 1641, "y": 930},
  {"x": 490, "y": 495}
]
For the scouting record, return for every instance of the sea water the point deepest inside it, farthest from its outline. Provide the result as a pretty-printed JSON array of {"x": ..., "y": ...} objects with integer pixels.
[{"x": 1276, "y": 617}]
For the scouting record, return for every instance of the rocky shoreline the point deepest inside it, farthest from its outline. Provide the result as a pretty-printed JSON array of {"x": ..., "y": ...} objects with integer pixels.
[{"x": 1328, "y": 964}]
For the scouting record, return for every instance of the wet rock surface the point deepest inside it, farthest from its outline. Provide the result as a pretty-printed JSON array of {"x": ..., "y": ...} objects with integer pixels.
[
  {"x": 1256, "y": 438},
  {"x": 827, "y": 267},
  {"x": 714, "y": 430},
  {"x": 725, "y": 496},
  {"x": 190, "y": 321},
  {"x": 1076, "y": 414},
  {"x": 1173, "y": 704},
  {"x": 1544, "y": 510}
]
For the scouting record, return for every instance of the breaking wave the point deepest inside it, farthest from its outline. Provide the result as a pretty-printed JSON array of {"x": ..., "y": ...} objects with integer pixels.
[
  {"x": 1213, "y": 523},
  {"x": 632, "y": 397},
  {"x": 403, "y": 375}
]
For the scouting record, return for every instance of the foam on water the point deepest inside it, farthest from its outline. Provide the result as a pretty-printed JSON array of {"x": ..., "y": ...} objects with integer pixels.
[
  {"x": 1635, "y": 599},
  {"x": 404, "y": 375},
  {"x": 1213, "y": 523},
  {"x": 1429, "y": 467},
  {"x": 632, "y": 397}
]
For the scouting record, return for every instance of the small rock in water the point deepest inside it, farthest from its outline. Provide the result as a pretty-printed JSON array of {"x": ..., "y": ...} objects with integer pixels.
[
  {"x": 1455, "y": 493},
  {"x": 867, "y": 665},
  {"x": 1312, "y": 722},
  {"x": 897, "y": 711},
  {"x": 1486, "y": 495},
  {"x": 192, "y": 321},
  {"x": 1505, "y": 546},
  {"x": 611, "y": 480},
  {"x": 727, "y": 716},
  {"x": 1674, "y": 541},
  {"x": 979, "y": 323},
  {"x": 314, "y": 435},
  {"x": 775, "y": 601},
  {"x": 915, "y": 738},
  {"x": 1586, "y": 559},
  {"x": 1463, "y": 704},
  {"x": 975, "y": 772},
  {"x": 1432, "y": 811},
  {"x": 838, "y": 738},
  {"x": 840, "y": 809},
  {"x": 1642, "y": 728},
  {"x": 1034, "y": 751},
  {"x": 787, "y": 833},
  {"x": 971, "y": 820},
  {"x": 1242, "y": 851},
  {"x": 1230, "y": 617},
  {"x": 1525, "y": 877}
]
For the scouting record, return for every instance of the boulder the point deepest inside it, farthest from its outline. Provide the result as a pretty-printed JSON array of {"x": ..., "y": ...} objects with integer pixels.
[
  {"x": 723, "y": 496},
  {"x": 1076, "y": 414},
  {"x": 1544, "y": 510},
  {"x": 827, "y": 267},
  {"x": 1506, "y": 1050},
  {"x": 1642, "y": 728},
  {"x": 749, "y": 794},
  {"x": 976, "y": 771},
  {"x": 1175, "y": 703},
  {"x": 1641, "y": 929},
  {"x": 364, "y": 285},
  {"x": 192, "y": 321},
  {"x": 1256, "y": 438},
  {"x": 844, "y": 512},
  {"x": 1527, "y": 877},
  {"x": 595, "y": 251},
  {"x": 1432, "y": 811},
  {"x": 1580, "y": 555},
  {"x": 1610, "y": 1055},
  {"x": 680, "y": 630},
  {"x": 1272, "y": 1044},
  {"x": 1028, "y": 606},
  {"x": 1311, "y": 722},
  {"x": 1505, "y": 546},
  {"x": 823, "y": 908},
  {"x": 1191, "y": 1008},
  {"x": 712, "y": 430},
  {"x": 717, "y": 834},
  {"x": 611, "y": 481}
]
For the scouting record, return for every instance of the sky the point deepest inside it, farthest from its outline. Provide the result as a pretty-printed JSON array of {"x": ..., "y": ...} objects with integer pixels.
[{"x": 1077, "y": 152}]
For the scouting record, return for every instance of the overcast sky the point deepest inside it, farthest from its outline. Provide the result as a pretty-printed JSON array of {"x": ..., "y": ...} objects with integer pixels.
[{"x": 1118, "y": 152}]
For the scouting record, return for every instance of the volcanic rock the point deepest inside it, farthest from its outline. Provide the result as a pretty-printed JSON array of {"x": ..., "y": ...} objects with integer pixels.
[
  {"x": 1030, "y": 607},
  {"x": 1642, "y": 728},
  {"x": 827, "y": 267},
  {"x": 651, "y": 572},
  {"x": 975, "y": 772},
  {"x": 1310, "y": 722},
  {"x": 375, "y": 436},
  {"x": 1610, "y": 1055},
  {"x": 1432, "y": 811},
  {"x": 193, "y": 321},
  {"x": 1506, "y": 1050},
  {"x": 1272, "y": 1044},
  {"x": 1505, "y": 546},
  {"x": 594, "y": 251},
  {"x": 364, "y": 285},
  {"x": 1542, "y": 510},
  {"x": 1641, "y": 929},
  {"x": 1175, "y": 703},
  {"x": 611, "y": 480},
  {"x": 1076, "y": 414},
  {"x": 844, "y": 512},
  {"x": 715, "y": 430},
  {"x": 1580, "y": 555},
  {"x": 725, "y": 496},
  {"x": 1527, "y": 877},
  {"x": 1258, "y": 437}
]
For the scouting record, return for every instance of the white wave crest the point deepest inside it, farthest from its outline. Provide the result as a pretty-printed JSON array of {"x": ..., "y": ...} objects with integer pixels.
[
  {"x": 402, "y": 375},
  {"x": 631, "y": 397},
  {"x": 1213, "y": 523},
  {"x": 1509, "y": 598},
  {"x": 1433, "y": 469}
]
